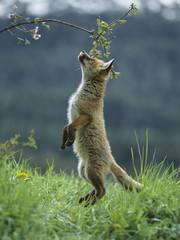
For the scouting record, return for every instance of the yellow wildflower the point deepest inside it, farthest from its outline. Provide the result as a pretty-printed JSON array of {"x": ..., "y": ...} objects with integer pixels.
[
  {"x": 118, "y": 226},
  {"x": 22, "y": 175}
]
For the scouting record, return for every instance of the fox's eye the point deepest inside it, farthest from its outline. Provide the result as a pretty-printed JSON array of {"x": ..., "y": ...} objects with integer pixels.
[{"x": 92, "y": 60}]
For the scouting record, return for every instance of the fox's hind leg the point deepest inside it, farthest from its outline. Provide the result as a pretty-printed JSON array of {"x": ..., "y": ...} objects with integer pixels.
[
  {"x": 97, "y": 180},
  {"x": 87, "y": 196},
  {"x": 82, "y": 174}
]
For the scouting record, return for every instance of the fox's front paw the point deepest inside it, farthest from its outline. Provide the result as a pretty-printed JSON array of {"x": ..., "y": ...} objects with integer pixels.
[
  {"x": 62, "y": 147},
  {"x": 68, "y": 137},
  {"x": 70, "y": 141}
]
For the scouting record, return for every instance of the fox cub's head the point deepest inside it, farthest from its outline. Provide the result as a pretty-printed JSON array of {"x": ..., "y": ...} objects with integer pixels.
[{"x": 94, "y": 68}]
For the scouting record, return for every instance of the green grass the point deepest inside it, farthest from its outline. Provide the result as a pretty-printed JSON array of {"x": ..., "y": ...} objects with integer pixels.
[{"x": 46, "y": 206}]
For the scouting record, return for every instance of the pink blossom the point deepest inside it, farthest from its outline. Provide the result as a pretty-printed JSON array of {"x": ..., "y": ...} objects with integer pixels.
[
  {"x": 36, "y": 29},
  {"x": 10, "y": 15},
  {"x": 36, "y": 36},
  {"x": 34, "y": 33},
  {"x": 15, "y": 8}
]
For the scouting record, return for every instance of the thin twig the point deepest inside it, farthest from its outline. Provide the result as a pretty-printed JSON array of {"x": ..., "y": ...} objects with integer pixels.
[
  {"x": 13, "y": 34},
  {"x": 21, "y": 29},
  {"x": 47, "y": 20},
  {"x": 132, "y": 7}
]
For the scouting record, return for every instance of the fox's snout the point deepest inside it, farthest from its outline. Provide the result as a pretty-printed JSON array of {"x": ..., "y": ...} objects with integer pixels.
[{"x": 82, "y": 56}]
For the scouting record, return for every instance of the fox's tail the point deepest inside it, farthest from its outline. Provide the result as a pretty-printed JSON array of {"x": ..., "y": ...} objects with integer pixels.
[{"x": 123, "y": 178}]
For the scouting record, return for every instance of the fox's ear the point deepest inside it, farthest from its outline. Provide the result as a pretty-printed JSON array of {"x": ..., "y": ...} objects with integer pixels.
[{"x": 107, "y": 66}]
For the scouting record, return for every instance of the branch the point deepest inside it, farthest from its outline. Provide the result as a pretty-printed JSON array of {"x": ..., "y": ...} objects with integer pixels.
[
  {"x": 100, "y": 35},
  {"x": 132, "y": 8},
  {"x": 47, "y": 20}
]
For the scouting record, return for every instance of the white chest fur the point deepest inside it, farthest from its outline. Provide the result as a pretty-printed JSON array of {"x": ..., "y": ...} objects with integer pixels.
[{"x": 73, "y": 108}]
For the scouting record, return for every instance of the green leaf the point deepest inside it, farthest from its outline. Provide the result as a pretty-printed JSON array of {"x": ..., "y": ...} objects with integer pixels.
[
  {"x": 27, "y": 42},
  {"x": 136, "y": 10},
  {"x": 109, "y": 31},
  {"x": 31, "y": 143},
  {"x": 94, "y": 44},
  {"x": 98, "y": 21},
  {"x": 27, "y": 19},
  {"x": 112, "y": 25},
  {"x": 115, "y": 75},
  {"x": 19, "y": 40},
  {"x": 47, "y": 26},
  {"x": 122, "y": 21},
  {"x": 36, "y": 20},
  {"x": 16, "y": 18},
  {"x": 32, "y": 132},
  {"x": 99, "y": 29},
  {"x": 104, "y": 24}
]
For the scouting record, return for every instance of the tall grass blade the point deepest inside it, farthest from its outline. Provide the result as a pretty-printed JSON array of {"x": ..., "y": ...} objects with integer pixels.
[
  {"x": 132, "y": 154},
  {"x": 147, "y": 144},
  {"x": 137, "y": 141}
]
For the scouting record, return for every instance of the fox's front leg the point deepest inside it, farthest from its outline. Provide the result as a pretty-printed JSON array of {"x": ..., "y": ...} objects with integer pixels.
[
  {"x": 69, "y": 130},
  {"x": 64, "y": 137}
]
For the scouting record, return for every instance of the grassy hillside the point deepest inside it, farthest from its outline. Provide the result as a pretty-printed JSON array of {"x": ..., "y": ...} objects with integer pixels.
[{"x": 36, "y": 206}]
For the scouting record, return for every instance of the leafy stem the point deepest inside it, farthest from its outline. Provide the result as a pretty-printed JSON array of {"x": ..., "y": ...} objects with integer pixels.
[{"x": 132, "y": 8}]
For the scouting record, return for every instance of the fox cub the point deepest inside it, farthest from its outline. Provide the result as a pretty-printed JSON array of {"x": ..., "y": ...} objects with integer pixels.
[{"x": 86, "y": 130}]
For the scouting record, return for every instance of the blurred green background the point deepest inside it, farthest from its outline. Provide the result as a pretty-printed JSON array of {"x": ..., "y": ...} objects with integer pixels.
[{"x": 36, "y": 81}]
